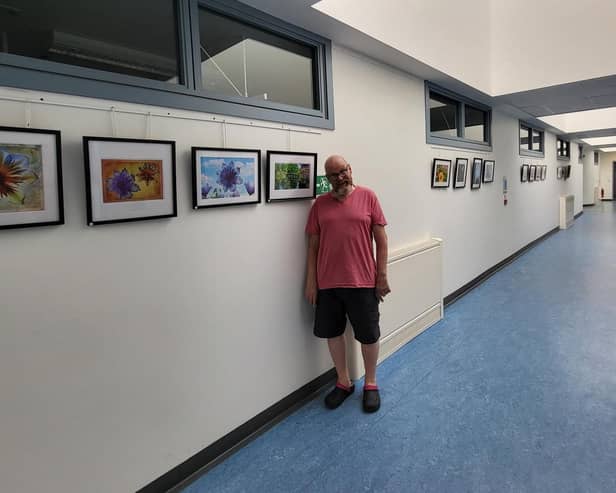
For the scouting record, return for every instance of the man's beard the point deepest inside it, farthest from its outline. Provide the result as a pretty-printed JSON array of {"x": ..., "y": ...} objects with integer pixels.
[{"x": 342, "y": 185}]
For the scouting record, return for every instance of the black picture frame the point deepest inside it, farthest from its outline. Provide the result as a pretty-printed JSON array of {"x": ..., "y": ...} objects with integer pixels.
[
  {"x": 459, "y": 180},
  {"x": 282, "y": 186},
  {"x": 129, "y": 179},
  {"x": 559, "y": 173},
  {"x": 441, "y": 173},
  {"x": 567, "y": 172},
  {"x": 476, "y": 173},
  {"x": 487, "y": 175},
  {"x": 532, "y": 173},
  {"x": 31, "y": 190},
  {"x": 524, "y": 173},
  {"x": 241, "y": 184}
]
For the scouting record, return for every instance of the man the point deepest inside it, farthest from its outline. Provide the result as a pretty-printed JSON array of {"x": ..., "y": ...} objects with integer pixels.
[{"x": 343, "y": 278}]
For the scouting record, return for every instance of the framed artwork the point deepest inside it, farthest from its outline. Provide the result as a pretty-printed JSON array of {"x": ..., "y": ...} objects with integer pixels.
[
  {"x": 488, "y": 171},
  {"x": 129, "y": 179},
  {"x": 222, "y": 176},
  {"x": 476, "y": 173},
  {"x": 524, "y": 172},
  {"x": 532, "y": 174},
  {"x": 291, "y": 175},
  {"x": 559, "y": 173},
  {"x": 30, "y": 178},
  {"x": 567, "y": 172},
  {"x": 544, "y": 171},
  {"x": 441, "y": 171},
  {"x": 460, "y": 176}
]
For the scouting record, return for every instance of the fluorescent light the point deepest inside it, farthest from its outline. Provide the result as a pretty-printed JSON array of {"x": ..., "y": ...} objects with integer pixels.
[
  {"x": 582, "y": 121},
  {"x": 608, "y": 149},
  {"x": 600, "y": 141}
]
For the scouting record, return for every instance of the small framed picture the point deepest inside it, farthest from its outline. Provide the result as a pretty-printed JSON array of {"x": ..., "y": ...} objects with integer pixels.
[
  {"x": 476, "y": 173},
  {"x": 461, "y": 169},
  {"x": 559, "y": 173},
  {"x": 291, "y": 175},
  {"x": 129, "y": 179},
  {"x": 488, "y": 171},
  {"x": 567, "y": 172},
  {"x": 532, "y": 173},
  {"x": 441, "y": 170},
  {"x": 225, "y": 176},
  {"x": 524, "y": 172},
  {"x": 544, "y": 171},
  {"x": 30, "y": 178}
]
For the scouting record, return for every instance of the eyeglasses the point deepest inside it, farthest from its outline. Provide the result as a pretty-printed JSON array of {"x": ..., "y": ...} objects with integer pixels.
[{"x": 334, "y": 176}]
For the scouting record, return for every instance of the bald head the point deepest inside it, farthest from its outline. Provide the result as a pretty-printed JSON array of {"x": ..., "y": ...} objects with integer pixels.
[{"x": 334, "y": 162}]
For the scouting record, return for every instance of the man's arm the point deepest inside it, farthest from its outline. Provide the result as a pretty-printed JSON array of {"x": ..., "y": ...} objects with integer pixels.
[
  {"x": 380, "y": 238},
  {"x": 311, "y": 269}
]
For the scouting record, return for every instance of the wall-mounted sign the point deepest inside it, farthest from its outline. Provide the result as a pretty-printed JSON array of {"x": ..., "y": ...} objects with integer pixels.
[{"x": 323, "y": 185}]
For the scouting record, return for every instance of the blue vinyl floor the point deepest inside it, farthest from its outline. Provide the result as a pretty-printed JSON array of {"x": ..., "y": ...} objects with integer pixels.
[{"x": 514, "y": 391}]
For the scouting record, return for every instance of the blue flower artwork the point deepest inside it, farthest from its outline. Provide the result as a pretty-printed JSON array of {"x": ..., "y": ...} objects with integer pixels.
[{"x": 227, "y": 177}]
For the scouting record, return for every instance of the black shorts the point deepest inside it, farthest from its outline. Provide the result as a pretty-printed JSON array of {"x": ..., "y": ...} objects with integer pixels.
[{"x": 360, "y": 304}]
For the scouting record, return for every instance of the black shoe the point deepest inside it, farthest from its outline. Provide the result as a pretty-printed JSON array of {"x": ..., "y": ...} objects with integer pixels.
[
  {"x": 372, "y": 399},
  {"x": 337, "y": 396}
]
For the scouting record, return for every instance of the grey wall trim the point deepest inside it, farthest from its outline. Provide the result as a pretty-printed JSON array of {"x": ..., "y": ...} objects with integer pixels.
[{"x": 34, "y": 74}]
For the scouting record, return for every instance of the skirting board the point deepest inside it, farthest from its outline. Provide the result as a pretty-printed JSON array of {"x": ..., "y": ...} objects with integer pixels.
[{"x": 393, "y": 341}]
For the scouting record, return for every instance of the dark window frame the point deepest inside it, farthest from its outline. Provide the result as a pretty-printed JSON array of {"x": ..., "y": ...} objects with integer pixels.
[
  {"x": 563, "y": 149},
  {"x": 34, "y": 74},
  {"x": 530, "y": 129},
  {"x": 459, "y": 140},
  {"x": 580, "y": 153}
]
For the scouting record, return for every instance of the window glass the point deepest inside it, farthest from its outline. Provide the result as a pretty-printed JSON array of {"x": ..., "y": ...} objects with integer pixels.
[
  {"x": 136, "y": 38},
  {"x": 475, "y": 121},
  {"x": 524, "y": 134},
  {"x": 245, "y": 61},
  {"x": 443, "y": 116},
  {"x": 537, "y": 144}
]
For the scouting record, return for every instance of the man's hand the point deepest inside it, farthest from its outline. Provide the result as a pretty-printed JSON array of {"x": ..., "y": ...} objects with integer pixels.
[
  {"x": 382, "y": 287},
  {"x": 311, "y": 291}
]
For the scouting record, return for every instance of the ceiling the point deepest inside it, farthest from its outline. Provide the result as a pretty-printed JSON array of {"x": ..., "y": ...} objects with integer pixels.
[{"x": 529, "y": 105}]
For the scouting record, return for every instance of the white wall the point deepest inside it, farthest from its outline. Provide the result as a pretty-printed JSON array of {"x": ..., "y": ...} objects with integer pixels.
[
  {"x": 606, "y": 170},
  {"x": 591, "y": 176},
  {"x": 128, "y": 348}
]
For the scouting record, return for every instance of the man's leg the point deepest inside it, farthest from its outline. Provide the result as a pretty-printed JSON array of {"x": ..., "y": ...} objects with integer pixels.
[
  {"x": 370, "y": 353},
  {"x": 337, "y": 349}
]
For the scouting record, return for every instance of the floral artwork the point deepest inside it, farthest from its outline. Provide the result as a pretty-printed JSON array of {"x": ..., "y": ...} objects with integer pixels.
[
  {"x": 440, "y": 173},
  {"x": 21, "y": 178},
  {"x": 30, "y": 178},
  {"x": 488, "y": 171},
  {"x": 225, "y": 176},
  {"x": 476, "y": 173},
  {"x": 291, "y": 175},
  {"x": 131, "y": 180},
  {"x": 460, "y": 178}
]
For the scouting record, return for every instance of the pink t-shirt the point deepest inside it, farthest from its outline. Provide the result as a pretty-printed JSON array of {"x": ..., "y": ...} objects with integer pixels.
[{"x": 346, "y": 258}]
